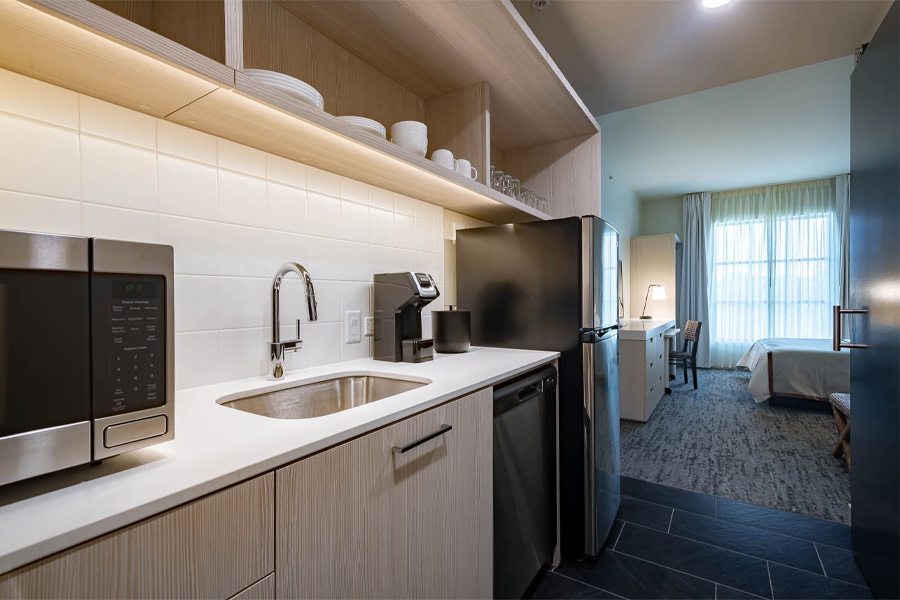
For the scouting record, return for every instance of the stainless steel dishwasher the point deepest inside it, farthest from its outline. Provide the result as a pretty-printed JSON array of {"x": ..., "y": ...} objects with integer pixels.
[{"x": 524, "y": 480}]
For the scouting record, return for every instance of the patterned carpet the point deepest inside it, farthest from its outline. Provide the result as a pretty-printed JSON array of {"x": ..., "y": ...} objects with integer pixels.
[{"x": 718, "y": 441}]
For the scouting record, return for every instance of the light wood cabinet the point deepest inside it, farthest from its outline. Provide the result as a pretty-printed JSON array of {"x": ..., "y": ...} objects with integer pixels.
[
  {"x": 642, "y": 375},
  {"x": 213, "y": 547},
  {"x": 363, "y": 520}
]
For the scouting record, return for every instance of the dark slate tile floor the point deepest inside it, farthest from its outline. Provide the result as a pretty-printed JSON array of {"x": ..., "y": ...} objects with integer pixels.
[{"x": 671, "y": 543}]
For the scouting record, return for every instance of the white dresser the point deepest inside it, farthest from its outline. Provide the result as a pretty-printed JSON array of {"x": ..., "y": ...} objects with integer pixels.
[{"x": 642, "y": 369}]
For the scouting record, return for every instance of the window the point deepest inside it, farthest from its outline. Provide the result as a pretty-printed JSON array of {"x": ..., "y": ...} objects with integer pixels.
[{"x": 774, "y": 266}]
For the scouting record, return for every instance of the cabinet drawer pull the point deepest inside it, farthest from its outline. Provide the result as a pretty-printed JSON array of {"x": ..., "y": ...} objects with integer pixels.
[{"x": 402, "y": 449}]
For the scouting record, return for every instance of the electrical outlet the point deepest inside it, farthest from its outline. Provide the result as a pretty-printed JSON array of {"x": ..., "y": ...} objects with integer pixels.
[
  {"x": 369, "y": 326},
  {"x": 351, "y": 327}
]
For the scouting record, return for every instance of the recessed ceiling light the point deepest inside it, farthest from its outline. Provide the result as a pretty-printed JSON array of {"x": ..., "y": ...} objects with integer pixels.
[{"x": 715, "y": 3}]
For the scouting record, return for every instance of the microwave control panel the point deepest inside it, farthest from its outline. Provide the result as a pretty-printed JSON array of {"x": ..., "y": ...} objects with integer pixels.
[{"x": 129, "y": 343}]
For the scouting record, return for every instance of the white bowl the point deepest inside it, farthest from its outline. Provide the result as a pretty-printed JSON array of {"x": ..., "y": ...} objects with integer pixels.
[
  {"x": 409, "y": 140},
  {"x": 409, "y": 126}
]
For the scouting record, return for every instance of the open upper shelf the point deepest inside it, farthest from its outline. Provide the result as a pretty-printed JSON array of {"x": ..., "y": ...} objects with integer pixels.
[
  {"x": 83, "y": 46},
  {"x": 433, "y": 48}
]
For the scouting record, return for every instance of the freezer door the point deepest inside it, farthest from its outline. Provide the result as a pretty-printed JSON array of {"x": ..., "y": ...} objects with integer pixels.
[
  {"x": 601, "y": 423},
  {"x": 600, "y": 273}
]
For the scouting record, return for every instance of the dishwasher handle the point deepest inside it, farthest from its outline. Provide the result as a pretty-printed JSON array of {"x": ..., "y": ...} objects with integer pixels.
[{"x": 532, "y": 391}]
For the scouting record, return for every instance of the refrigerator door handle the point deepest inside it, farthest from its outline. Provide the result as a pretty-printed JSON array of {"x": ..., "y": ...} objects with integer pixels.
[{"x": 592, "y": 336}]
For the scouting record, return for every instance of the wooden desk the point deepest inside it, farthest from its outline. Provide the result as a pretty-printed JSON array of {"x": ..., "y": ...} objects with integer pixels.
[{"x": 642, "y": 368}]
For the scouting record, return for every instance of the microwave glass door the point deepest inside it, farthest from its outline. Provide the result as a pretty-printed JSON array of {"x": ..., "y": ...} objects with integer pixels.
[{"x": 44, "y": 349}]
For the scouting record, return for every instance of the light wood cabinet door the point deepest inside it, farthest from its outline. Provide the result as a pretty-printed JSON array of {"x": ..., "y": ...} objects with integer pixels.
[
  {"x": 363, "y": 520},
  {"x": 213, "y": 547}
]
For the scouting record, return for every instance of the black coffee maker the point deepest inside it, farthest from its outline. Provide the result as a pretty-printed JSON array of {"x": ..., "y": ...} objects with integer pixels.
[{"x": 399, "y": 300}]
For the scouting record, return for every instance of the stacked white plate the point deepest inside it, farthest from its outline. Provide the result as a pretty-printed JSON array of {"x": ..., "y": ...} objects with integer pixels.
[
  {"x": 290, "y": 85},
  {"x": 365, "y": 124}
]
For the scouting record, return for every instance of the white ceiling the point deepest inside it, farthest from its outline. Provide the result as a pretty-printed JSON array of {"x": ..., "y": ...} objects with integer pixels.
[
  {"x": 619, "y": 54},
  {"x": 783, "y": 127}
]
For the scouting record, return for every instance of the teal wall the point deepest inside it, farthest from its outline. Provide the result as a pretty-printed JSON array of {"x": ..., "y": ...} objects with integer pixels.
[
  {"x": 620, "y": 207},
  {"x": 661, "y": 216}
]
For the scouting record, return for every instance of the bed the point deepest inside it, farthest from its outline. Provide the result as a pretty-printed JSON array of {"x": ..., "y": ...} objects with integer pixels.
[{"x": 794, "y": 368}]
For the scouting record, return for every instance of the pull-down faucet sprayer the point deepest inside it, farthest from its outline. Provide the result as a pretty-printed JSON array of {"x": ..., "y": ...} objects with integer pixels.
[{"x": 277, "y": 348}]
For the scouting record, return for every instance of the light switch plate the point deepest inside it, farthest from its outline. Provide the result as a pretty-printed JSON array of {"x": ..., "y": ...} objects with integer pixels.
[
  {"x": 351, "y": 327},
  {"x": 369, "y": 326}
]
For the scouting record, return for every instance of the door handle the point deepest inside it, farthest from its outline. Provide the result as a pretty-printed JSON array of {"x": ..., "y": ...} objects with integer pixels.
[
  {"x": 404, "y": 449},
  {"x": 837, "y": 342}
]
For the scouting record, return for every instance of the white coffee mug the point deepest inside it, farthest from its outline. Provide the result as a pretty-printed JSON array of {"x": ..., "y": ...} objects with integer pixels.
[
  {"x": 444, "y": 158},
  {"x": 465, "y": 168}
]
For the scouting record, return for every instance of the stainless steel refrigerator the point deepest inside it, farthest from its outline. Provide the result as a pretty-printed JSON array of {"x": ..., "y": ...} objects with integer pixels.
[{"x": 553, "y": 285}]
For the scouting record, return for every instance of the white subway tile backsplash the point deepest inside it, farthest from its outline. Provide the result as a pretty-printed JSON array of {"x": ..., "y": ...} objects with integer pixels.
[
  {"x": 243, "y": 159},
  {"x": 245, "y": 302},
  {"x": 196, "y": 303},
  {"x": 243, "y": 251},
  {"x": 185, "y": 142},
  {"x": 242, "y": 353},
  {"x": 117, "y": 174},
  {"x": 196, "y": 244},
  {"x": 355, "y": 262},
  {"x": 354, "y": 221},
  {"x": 187, "y": 188},
  {"x": 233, "y": 214},
  {"x": 381, "y": 259},
  {"x": 437, "y": 238},
  {"x": 404, "y": 260},
  {"x": 285, "y": 171},
  {"x": 197, "y": 359},
  {"x": 381, "y": 227},
  {"x": 404, "y": 232},
  {"x": 324, "y": 259},
  {"x": 323, "y": 182},
  {"x": 323, "y": 342},
  {"x": 355, "y": 191},
  {"x": 119, "y": 223},
  {"x": 324, "y": 215},
  {"x": 404, "y": 205},
  {"x": 380, "y": 198},
  {"x": 287, "y": 208},
  {"x": 26, "y": 212},
  {"x": 117, "y": 123},
  {"x": 242, "y": 199},
  {"x": 39, "y": 159},
  {"x": 35, "y": 99},
  {"x": 424, "y": 233},
  {"x": 424, "y": 262},
  {"x": 424, "y": 210},
  {"x": 286, "y": 247}
]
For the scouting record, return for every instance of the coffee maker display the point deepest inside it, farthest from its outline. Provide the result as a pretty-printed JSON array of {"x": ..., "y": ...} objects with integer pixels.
[{"x": 399, "y": 300}]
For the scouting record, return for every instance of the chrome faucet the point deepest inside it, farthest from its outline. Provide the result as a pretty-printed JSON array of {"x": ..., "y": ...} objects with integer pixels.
[{"x": 278, "y": 348}]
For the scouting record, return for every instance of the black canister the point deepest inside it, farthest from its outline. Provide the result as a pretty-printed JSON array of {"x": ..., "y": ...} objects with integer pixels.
[{"x": 451, "y": 330}]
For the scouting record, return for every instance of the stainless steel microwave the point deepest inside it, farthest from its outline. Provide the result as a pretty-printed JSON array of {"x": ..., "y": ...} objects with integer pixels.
[{"x": 86, "y": 350}]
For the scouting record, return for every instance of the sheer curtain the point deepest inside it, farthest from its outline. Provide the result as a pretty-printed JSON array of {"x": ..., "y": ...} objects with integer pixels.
[{"x": 774, "y": 265}]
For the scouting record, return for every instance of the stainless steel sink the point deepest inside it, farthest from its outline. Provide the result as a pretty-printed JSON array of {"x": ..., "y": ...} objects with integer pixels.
[{"x": 323, "y": 397}]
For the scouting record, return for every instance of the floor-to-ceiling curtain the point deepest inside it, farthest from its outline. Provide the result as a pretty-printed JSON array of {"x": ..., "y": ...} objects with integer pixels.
[
  {"x": 693, "y": 303},
  {"x": 774, "y": 265}
]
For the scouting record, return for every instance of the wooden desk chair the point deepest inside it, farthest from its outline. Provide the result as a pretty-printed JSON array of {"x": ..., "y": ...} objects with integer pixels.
[
  {"x": 685, "y": 357},
  {"x": 840, "y": 406}
]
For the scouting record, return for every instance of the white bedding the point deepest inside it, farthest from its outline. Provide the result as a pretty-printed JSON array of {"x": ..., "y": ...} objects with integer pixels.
[{"x": 796, "y": 368}]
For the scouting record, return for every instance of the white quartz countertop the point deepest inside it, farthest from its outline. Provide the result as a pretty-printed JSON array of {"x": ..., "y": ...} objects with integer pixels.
[
  {"x": 643, "y": 329},
  {"x": 216, "y": 447}
]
